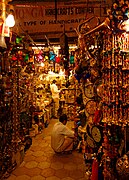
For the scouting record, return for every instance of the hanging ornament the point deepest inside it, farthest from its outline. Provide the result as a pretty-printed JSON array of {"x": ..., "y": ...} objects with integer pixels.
[
  {"x": 71, "y": 59},
  {"x": 26, "y": 57},
  {"x": 18, "y": 40},
  {"x": 46, "y": 58},
  {"x": 40, "y": 57},
  {"x": 58, "y": 59},
  {"x": 14, "y": 58},
  {"x": 52, "y": 56}
]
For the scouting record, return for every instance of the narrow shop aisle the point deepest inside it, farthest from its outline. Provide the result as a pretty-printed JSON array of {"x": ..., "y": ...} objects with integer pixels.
[{"x": 41, "y": 163}]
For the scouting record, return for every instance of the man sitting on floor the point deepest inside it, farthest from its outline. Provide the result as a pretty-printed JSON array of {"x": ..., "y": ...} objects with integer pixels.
[{"x": 62, "y": 137}]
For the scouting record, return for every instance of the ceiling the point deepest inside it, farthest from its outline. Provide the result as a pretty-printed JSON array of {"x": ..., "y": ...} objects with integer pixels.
[{"x": 35, "y": 1}]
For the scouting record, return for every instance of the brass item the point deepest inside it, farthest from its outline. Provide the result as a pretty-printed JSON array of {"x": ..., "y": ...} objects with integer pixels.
[{"x": 104, "y": 25}]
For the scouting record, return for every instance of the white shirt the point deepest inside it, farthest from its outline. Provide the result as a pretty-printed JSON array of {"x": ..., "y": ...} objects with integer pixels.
[
  {"x": 54, "y": 90},
  {"x": 58, "y": 135}
]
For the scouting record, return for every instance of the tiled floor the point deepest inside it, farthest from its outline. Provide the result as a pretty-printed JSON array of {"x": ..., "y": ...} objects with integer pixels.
[{"x": 41, "y": 163}]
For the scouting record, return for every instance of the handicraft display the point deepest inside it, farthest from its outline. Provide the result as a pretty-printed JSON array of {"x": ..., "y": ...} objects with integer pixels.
[{"x": 104, "y": 73}]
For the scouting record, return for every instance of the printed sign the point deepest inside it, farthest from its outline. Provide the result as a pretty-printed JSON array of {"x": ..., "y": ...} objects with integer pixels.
[{"x": 45, "y": 18}]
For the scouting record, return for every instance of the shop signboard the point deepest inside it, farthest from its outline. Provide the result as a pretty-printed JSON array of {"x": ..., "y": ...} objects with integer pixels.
[{"x": 46, "y": 18}]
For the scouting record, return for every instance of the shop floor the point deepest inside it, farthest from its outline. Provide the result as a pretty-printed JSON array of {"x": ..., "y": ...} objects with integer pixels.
[{"x": 41, "y": 162}]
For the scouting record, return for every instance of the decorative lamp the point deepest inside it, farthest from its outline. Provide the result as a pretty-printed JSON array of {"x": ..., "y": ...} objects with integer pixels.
[
  {"x": 10, "y": 22},
  {"x": 18, "y": 40},
  {"x": 52, "y": 56},
  {"x": 14, "y": 58},
  {"x": 58, "y": 59},
  {"x": 46, "y": 57},
  {"x": 71, "y": 59},
  {"x": 26, "y": 57},
  {"x": 40, "y": 57}
]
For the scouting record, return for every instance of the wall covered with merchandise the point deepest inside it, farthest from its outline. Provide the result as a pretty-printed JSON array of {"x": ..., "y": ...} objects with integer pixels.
[{"x": 102, "y": 69}]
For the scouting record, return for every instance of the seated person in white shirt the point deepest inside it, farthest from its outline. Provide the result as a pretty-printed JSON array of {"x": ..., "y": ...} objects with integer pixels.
[{"x": 62, "y": 137}]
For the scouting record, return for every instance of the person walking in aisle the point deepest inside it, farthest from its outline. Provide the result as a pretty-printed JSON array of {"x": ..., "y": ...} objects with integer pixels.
[
  {"x": 62, "y": 137},
  {"x": 55, "y": 96}
]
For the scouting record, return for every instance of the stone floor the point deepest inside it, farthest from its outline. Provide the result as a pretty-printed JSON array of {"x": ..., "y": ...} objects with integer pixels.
[{"x": 41, "y": 163}]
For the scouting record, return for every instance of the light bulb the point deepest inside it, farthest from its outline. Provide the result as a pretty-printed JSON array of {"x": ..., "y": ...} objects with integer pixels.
[
  {"x": 10, "y": 22},
  {"x": 42, "y": 64}
]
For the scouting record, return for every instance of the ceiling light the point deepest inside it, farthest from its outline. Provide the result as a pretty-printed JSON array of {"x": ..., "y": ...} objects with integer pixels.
[{"x": 10, "y": 22}]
